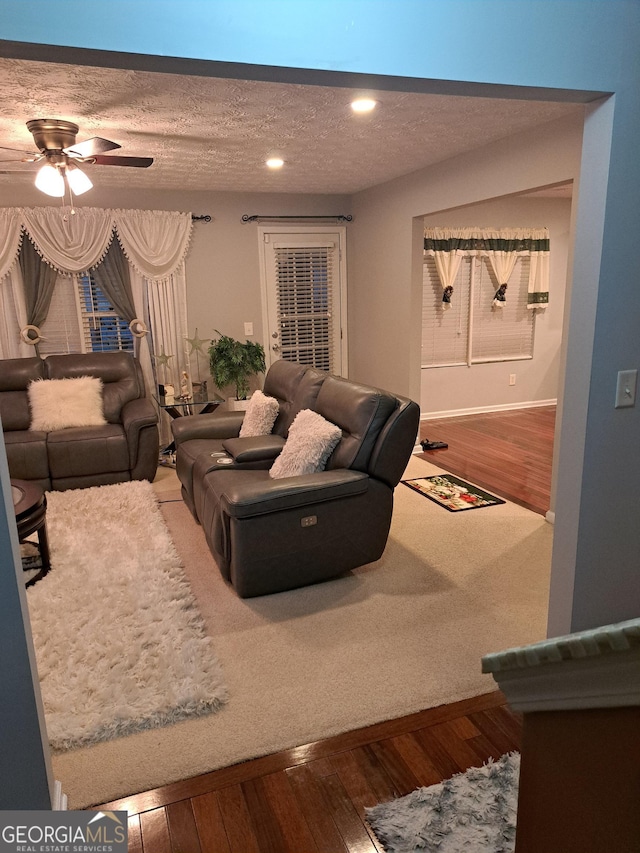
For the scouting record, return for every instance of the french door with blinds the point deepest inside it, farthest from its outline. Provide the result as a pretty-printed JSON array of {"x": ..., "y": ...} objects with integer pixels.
[{"x": 304, "y": 295}]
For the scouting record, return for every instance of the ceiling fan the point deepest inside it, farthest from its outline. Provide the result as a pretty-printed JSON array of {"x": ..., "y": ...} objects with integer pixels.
[{"x": 60, "y": 153}]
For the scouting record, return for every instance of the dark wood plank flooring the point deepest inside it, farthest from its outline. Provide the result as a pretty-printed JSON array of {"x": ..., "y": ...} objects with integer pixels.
[
  {"x": 507, "y": 453},
  {"x": 312, "y": 798}
]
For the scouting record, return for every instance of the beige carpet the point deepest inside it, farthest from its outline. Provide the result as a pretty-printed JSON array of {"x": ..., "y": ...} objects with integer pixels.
[{"x": 403, "y": 634}]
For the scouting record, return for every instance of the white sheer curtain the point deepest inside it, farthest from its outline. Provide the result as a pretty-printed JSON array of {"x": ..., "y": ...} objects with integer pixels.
[
  {"x": 71, "y": 243},
  {"x": 13, "y": 311},
  {"x": 155, "y": 243},
  {"x": 502, "y": 262},
  {"x": 447, "y": 259},
  {"x": 13, "y": 316}
]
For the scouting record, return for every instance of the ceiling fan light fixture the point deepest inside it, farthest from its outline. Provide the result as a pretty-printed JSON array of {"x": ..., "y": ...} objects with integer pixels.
[
  {"x": 77, "y": 179},
  {"x": 50, "y": 181},
  {"x": 275, "y": 162}
]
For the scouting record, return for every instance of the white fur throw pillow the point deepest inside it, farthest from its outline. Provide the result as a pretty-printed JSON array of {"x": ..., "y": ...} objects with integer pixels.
[
  {"x": 260, "y": 415},
  {"x": 310, "y": 443},
  {"x": 61, "y": 403}
]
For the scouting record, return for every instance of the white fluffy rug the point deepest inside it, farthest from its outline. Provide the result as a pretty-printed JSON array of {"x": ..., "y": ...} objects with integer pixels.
[
  {"x": 120, "y": 644},
  {"x": 473, "y": 811},
  {"x": 389, "y": 639}
]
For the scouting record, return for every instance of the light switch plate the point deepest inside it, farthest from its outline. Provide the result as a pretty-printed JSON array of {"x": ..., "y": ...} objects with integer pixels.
[
  {"x": 626, "y": 388},
  {"x": 248, "y": 329}
]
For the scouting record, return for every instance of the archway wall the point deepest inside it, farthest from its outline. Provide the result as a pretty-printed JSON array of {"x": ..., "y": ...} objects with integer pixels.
[
  {"x": 385, "y": 295},
  {"x": 589, "y": 47}
]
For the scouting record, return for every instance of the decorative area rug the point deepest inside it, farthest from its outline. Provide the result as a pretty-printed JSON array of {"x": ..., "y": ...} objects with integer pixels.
[
  {"x": 452, "y": 493},
  {"x": 119, "y": 641},
  {"x": 473, "y": 811},
  {"x": 402, "y": 634}
]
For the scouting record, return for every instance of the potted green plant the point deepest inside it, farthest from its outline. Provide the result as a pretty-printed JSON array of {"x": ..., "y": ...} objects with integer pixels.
[{"x": 233, "y": 363}]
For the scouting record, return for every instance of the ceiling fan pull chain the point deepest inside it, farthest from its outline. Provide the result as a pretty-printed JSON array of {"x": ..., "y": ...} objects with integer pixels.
[{"x": 72, "y": 209}]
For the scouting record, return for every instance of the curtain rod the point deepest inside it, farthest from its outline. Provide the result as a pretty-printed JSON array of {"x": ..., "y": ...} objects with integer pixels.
[
  {"x": 340, "y": 217},
  {"x": 204, "y": 218}
]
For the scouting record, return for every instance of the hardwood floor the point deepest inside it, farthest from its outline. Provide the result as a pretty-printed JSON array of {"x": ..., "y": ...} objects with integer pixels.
[
  {"x": 507, "y": 453},
  {"x": 311, "y": 799}
]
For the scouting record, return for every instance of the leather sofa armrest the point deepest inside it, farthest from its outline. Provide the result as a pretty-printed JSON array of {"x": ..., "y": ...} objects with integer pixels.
[
  {"x": 247, "y": 499},
  {"x": 258, "y": 448},
  {"x": 213, "y": 425},
  {"x": 137, "y": 414}
]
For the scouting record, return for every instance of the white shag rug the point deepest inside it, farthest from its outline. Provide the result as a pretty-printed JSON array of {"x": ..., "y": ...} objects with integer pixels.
[
  {"x": 120, "y": 643},
  {"x": 472, "y": 812}
]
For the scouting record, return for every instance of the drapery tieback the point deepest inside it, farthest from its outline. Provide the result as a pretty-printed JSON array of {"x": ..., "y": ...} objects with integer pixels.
[
  {"x": 31, "y": 335},
  {"x": 138, "y": 328}
]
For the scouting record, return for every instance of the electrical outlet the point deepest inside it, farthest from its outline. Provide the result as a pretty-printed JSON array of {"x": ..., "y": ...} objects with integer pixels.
[
  {"x": 248, "y": 329},
  {"x": 512, "y": 379}
]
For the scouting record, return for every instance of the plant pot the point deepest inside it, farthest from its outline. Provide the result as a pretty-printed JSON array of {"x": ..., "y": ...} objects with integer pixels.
[{"x": 236, "y": 405}]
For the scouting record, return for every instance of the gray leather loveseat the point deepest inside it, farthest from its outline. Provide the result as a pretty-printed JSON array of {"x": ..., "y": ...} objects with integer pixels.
[
  {"x": 269, "y": 535},
  {"x": 125, "y": 448}
]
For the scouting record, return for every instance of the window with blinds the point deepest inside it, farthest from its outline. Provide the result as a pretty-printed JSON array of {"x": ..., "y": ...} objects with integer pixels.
[
  {"x": 103, "y": 330},
  {"x": 472, "y": 331},
  {"x": 62, "y": 331},
  {"x": 304, "y": 294},
  {"x": 445, "y": 334},
  {"x": 502, "y": 334}
]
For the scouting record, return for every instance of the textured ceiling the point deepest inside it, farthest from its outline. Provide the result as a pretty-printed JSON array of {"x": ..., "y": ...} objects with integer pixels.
[{"x": 215, "y": 134}]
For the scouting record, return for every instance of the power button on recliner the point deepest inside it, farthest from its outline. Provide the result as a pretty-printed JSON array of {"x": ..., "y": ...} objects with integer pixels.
[{"x": 309, "y": 520}]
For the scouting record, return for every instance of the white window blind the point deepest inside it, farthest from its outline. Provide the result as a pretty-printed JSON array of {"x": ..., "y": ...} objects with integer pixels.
[
  {"x": 445, "y": 334},
  {"x": 103, "y": 330},
  {"x": 471, "y": 330},
  {"x": 81, "y": 319},
  {"x": 506, "y": 333},
  {"x": 304, "y": 294},
  {"x": 61, "y": 331}
]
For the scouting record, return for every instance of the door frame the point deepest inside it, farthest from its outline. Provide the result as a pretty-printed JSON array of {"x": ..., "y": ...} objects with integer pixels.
[{"x": 284, "y": 229}]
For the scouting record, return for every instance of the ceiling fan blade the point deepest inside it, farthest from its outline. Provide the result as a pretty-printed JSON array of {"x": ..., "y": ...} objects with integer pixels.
[
  {"x": 106, "y": 160},
  {"x": 90, "y": 147},
  {"x": 33, "y": 154}
]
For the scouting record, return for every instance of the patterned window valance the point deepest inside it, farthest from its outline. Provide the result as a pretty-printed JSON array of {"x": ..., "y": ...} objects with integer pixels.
[{"x": 500, "y": 246}]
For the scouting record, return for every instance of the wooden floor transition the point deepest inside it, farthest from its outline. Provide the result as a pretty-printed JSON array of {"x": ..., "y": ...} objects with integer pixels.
[
  {"x": 507, "y": 453},
  {"x": 312, "y": 798}
]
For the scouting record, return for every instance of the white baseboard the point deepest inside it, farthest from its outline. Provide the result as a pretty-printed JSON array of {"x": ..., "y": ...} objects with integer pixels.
[
  {"x": 59, "y": 798},
  {"x": 503, "y": 407}
]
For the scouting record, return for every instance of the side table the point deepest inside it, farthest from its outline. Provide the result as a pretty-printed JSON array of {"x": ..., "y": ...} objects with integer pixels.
[
  {"x": 178, "y": 407},
  {"x": 30, "y": 507}
]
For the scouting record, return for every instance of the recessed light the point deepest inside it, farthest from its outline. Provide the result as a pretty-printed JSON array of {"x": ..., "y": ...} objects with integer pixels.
[
  {"x": 363, "y": 105},
  {"x": 275, "y": 163}
]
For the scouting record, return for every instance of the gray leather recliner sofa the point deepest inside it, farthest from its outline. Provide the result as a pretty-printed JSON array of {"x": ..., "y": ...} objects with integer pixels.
[
  {"x": 269, "y": 535},
  {"x": 126, "y": 448}
]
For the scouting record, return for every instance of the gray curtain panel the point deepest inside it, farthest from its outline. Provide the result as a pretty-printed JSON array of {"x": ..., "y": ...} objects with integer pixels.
[
  {"x": 112, "y": 276},
  {"x": 39, "y": 280}
]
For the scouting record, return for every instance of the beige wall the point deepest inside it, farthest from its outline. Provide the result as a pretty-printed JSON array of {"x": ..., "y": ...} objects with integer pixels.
[
  {"x": 385, "y": 253},
  {"x": 460, "y": 389},
  {"x": 223, "y": 275}
]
